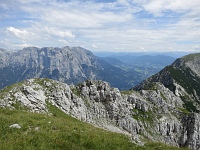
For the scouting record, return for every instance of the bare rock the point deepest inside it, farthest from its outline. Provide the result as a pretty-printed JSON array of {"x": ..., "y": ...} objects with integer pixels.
[{"x": 15, "y": 126}]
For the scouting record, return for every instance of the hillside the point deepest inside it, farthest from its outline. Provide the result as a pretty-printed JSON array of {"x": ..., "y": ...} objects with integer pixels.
[
  {"x": 147, "y": 116},
  {"x": 60, "y": 131},
  {"x": 182, "y": 78}
]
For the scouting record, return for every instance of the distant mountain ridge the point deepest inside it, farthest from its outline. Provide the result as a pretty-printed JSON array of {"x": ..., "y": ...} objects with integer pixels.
[
  {"x": 183, "y": 78},
  {"x": 142, "y": 66},
  {"x": 71, "y": 65}
]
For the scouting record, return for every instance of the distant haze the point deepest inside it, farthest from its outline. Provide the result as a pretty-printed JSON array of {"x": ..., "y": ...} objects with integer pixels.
[{"x": 174, "y": 54}]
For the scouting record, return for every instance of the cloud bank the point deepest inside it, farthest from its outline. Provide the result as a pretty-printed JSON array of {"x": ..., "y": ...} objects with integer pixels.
[{"x": 102, "y": 25}]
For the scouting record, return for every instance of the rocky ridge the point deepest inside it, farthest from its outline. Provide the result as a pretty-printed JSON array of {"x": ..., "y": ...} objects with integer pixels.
[
  {"x": 182, "y": 78},
  {"x": 155, "y": 114}
]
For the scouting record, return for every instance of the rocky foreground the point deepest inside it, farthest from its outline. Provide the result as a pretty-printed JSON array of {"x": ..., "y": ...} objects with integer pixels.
[{"x": 156, "y": 114}]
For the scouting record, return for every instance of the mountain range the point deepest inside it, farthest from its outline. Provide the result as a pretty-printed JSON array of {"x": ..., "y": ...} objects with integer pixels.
[
  {"x": 142, "y": 66},
  {"x": 71, "y": 65}
]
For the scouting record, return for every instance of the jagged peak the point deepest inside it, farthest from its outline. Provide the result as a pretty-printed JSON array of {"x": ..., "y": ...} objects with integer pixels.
[{"x": 32, "y": 48}]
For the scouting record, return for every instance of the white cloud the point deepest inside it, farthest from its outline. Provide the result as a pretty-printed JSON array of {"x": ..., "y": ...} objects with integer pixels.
[
  {"x": 158, "y": 7},
  {"x": 59, "y": 33},
  {"x": 30, "y": 1},
  {"x": 16, "y": 32},
  {"x": 127, "y": 25},
  {"x": 142, "y": 48},
  {"x": 94, "y": 46},
  {"x": 77, "y": 14},
  {"x": 21, "y": 34},
  {"x": 63, "y": 41},
  {"x": 83, "y": 19},
  {"x": 10, "y": 45},
  {"x": 196, "y": 47},
  {"x": 119, "y": 48},
  {"x": 23, "y": 45}
]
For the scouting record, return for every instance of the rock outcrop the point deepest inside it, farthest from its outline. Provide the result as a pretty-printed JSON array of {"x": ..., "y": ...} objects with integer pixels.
[
  {"x": 183, "y": 79},
  {"x": 156, "y": 114}
]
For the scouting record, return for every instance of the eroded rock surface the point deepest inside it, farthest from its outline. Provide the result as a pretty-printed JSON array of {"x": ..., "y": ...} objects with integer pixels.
[{"x": 156, "y": 114}]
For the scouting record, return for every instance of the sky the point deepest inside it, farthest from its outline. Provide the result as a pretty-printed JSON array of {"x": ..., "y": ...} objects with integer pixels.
[{"x": 101, "y": 25}]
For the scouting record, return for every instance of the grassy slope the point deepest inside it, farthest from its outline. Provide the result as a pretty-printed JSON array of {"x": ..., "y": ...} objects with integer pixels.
[{"x": 59, "y": 131}]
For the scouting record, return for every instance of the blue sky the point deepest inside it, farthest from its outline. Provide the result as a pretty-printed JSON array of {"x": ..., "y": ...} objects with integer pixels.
[{"x": 101, "y": 25}]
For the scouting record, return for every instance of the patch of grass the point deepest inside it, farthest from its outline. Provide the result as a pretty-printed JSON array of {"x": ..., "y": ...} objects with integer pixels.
[
  {"x": 86, "y": 102},
  {"x": 41, "y": 81},
  {"x": 147, "y": 117},
  {"x": 17, "y": 105},
  {"x": 191, "y": 57},
  {"x": 186, "y": 79},
  {"x": 127, "y": 92},
  {"x": 60, "y": 131},
  {"x": 185, "y": 111},
  {"x": 189, "y": 104},
  {"x": 8, "y": 89},
  {"x": 189, "y": 82},
  {"x": 160, "y": 146},
  {"x": 76, "y": 91}
]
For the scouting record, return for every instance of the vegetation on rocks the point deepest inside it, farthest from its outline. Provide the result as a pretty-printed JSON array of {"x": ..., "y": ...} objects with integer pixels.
[
  {"x": 60, "y": 131},
  {"x": 164, "y": 109}
]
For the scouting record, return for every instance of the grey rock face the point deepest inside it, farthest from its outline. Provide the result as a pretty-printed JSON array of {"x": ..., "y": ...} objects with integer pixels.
[
  {"x": 67, "y": 64},
  {"x": 70, "y": 65},
  {"x": 3, "y": 58},
  {"x": 59, "y": 63},
  {"x": 193, "y": 61},
  {"x": 155, "y": 114},
  {"x": 191, "y": 131},
  {"x": 182, "y": 78}
]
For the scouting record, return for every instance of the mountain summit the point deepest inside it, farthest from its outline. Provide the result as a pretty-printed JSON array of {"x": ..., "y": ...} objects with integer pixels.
[{"x": 182, "y": 78}]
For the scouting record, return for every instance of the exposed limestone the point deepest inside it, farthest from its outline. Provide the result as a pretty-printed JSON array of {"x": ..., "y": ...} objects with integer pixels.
[
  {"x": 190, "y": 136},
  {"x": 15, "y": 126},
  {"x": 182, "y": 80},
  {"x": 153, "y": 114}
]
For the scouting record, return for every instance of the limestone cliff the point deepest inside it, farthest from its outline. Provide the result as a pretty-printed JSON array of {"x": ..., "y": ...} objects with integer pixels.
[{"x": 183, "y": 79}]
